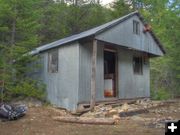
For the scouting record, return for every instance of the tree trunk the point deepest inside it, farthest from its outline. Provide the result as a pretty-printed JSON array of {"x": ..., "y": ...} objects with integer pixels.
[
  {"x": 75, "y": 2},
  {"x": 13, "y": 32},
  {"x": 93, "y": 75}
]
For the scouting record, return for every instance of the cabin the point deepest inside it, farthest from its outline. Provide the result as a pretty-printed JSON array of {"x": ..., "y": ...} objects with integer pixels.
[{"x": 106, "y": 63}]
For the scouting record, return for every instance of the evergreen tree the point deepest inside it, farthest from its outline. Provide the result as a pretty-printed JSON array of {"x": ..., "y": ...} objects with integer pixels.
[{"x": 19, "y": 26}]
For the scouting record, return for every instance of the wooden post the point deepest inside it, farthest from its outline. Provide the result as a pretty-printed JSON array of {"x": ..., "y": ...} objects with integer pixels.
[{"x": 93, "y": 75}]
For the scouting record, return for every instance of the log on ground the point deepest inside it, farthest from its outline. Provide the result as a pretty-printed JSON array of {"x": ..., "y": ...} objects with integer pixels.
[{"x": 85, "y": 120}]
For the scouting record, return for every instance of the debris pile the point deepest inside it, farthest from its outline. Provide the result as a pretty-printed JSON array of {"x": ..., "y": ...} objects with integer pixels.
[
  {"x": 125, "y": 110},
  {"x": 103, "y": 113}
]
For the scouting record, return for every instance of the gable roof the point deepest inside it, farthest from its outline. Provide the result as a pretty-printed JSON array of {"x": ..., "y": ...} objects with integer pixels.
[{"x": 91, "y": 32}]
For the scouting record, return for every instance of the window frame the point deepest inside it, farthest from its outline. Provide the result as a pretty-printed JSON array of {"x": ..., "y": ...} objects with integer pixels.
[
  {"x": 136, "y": 27},
  {"x": 138, "y": 65},
  {"x": 51, "y": 54}
]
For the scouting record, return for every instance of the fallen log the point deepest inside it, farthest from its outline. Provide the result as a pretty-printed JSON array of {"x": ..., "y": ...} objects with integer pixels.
[
  {"x": 85, "y": 120},
  {"x": 134, "y": 112}
]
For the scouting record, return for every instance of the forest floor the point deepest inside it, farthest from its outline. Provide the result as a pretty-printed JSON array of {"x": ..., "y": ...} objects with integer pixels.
[{"x": 38, "y": 121}]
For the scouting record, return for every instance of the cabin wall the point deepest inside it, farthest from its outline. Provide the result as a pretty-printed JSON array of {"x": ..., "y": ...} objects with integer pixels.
[
  {"x": 71, "y": 85},
  {"x": 132, "y": 85},
  {"x": 122, "y": 34},
  {"x": 62, "y": 87},
  {"x": 85, "y": 73}
]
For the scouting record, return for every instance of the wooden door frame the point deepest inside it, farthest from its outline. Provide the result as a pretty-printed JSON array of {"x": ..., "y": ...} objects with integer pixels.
[{"x": 115, "y": 51}]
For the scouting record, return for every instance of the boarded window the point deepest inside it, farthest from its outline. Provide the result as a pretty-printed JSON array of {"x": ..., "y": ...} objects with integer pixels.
[
  {"x": 53, "y": 61},
  {"x": 138, "y": 65},
  {"x": 136, "y": 27}
]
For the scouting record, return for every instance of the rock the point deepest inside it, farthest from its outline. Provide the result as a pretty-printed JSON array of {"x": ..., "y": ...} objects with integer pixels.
[
  {"x": 80, "y": 108},
  {"x": 113, "y": 111},
  {"x": 116, "y": 118},
  {"x": 120, "y": 110},
  {"x": 125, "y": 107},
  {"x": 30, "y": 102},
  {"x": 138, "y": 101},
  {"x": 159, "y": 125}
]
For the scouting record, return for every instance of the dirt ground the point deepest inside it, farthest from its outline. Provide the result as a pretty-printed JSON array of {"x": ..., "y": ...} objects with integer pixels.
[{"x": 38, "y": 121}]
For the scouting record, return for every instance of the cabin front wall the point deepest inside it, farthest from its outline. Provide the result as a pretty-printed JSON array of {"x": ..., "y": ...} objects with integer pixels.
[
  {"x": 85, "y": 73},
  {"x": 129, "y": 85}
]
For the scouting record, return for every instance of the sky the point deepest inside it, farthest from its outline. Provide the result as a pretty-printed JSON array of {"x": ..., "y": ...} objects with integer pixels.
[{"x": 104, "y": 2}]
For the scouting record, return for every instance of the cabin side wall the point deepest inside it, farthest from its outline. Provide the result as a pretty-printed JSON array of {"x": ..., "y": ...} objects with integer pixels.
[{"x": 62, "y": 87}]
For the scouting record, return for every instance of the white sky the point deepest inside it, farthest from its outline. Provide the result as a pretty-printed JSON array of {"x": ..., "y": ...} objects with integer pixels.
[{"x": 104, "y": 2}]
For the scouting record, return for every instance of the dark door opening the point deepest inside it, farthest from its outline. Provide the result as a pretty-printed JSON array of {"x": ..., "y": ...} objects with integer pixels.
[{"x": 109, "y": 73}]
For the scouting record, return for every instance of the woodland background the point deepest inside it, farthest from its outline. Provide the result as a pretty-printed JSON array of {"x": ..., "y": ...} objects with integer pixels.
[{"x": 26, "y": 24}]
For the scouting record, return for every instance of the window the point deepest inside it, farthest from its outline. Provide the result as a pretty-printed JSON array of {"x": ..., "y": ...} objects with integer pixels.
[
  {"x": 136, "y": 27},
  {"x": 53, "y": 61},
  {"x": 138, "y": 65}
]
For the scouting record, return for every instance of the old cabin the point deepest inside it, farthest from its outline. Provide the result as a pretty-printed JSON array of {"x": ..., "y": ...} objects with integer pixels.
[{"x": 106, "y": 63}]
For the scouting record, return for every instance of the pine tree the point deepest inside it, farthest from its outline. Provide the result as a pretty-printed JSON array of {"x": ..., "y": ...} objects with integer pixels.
[{"x": 19, "y": 26}]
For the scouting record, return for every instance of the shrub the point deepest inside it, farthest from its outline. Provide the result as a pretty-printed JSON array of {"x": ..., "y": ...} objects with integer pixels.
[
  {"x": 161, "y": 94},
  {"x": 29, "y": 88}
]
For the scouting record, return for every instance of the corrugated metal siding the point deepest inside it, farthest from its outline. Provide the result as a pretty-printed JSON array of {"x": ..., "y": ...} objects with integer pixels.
[
  {"x": 72, "y": 83},
  {"x": 122, "y": 34},
  {"x": 100, "y": 73},
  {"x": 85, "y": 73},
  {"x": 132, "y": 85},
  {"x": 62, "y": 87}
]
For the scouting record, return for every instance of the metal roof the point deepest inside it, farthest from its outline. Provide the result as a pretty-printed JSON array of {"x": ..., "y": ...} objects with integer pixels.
[{"x": 93, "y": 31}]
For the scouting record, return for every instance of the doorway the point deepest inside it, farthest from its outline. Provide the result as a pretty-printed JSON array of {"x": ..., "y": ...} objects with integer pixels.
[{"x": 110, "y": 64}]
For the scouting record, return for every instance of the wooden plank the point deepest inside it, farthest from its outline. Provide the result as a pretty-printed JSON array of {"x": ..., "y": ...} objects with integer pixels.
[
  {"x": 93, "y": 75},
  {"x": 86, "y": 120}
]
